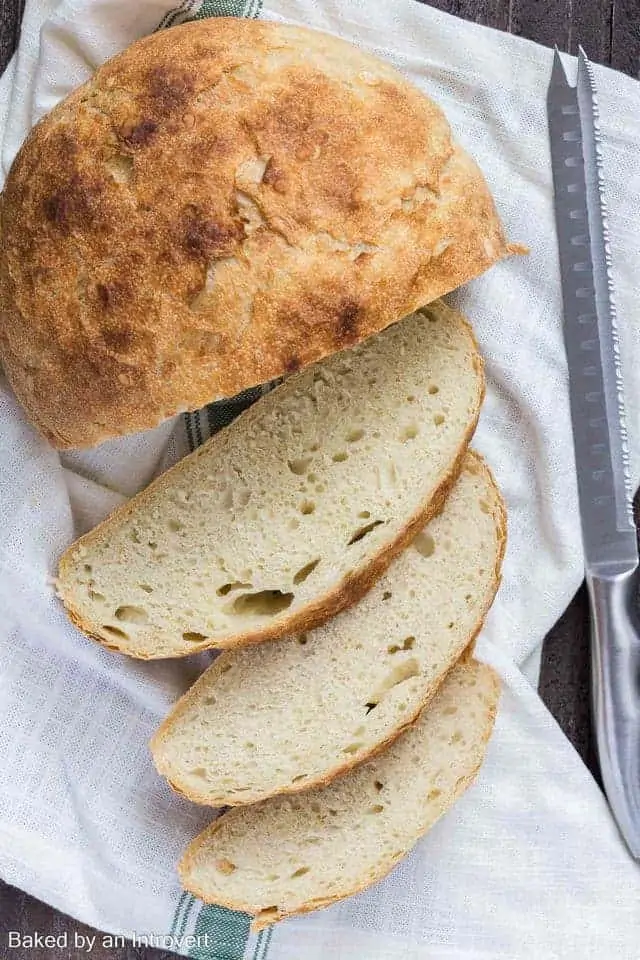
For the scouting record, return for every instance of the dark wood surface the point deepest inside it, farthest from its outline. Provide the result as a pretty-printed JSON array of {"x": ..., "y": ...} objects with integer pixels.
[{"x": 609, "y": 30}]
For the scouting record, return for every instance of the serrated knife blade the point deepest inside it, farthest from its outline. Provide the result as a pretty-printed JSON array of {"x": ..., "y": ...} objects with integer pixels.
[{"x": 600, "y": 436}]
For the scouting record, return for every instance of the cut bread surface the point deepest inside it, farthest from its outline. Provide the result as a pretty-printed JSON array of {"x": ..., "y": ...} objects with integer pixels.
[
  {"x": 291, "y": 513},
  {"x": 292, "y": 854},
  {"x": 294, "y": 712}
]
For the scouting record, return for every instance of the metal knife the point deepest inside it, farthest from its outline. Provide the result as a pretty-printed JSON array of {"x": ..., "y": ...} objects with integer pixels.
[{"x": 600, "y": 437}]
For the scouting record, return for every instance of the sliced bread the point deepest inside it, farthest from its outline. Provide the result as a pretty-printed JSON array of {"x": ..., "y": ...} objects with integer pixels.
[
  {"x": 294, "y": 712},
  {"x": 292, "y": 512},
  {"x": 290, "y": 855}
]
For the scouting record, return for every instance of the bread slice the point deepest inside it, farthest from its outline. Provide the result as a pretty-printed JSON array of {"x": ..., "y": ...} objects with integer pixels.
[
  {"x": 292, "y": 512},
  {"x": 290, "y": 855},
  {"x": 295, "y": 712}
]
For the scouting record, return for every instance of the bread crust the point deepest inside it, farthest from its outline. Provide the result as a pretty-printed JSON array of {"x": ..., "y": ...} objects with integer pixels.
[
  {"x": 323, "y": 608},
  {"x": 185, "y": 701},
  {"x": 223, "y": 203},
  {"x": 384, "y": 868}
]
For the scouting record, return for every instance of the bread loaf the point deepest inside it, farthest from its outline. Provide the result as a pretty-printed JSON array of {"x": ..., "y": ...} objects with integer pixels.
[
  {"x": 223, "y": 203},
  {"x": 292, "y": 713},
  {"x": 293, "y": 511},
  {"x": 293, "y": 854}
]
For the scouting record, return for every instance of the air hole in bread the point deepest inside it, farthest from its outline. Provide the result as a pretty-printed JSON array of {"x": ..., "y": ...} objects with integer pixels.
[
  {"x": 299, "y": 467},
  {"x": 409, "y": 433},
  {"x": 352, "y": 748},
  {"x": 468, "y": 597},
  {"x": 302, "y": 639},
  {"x": 363, "y": 531},
  {"x": 300, "y": 872},
  {"x": 424, "y": 544},
  {"x": 433, "y": 389},
  {"x": 95, "y": 595},
  {"x": 434, "y": 794},
  {"x": 266, "y": 603},
  {"x": 87, "y": 568},
  {"x": 225, "y": 866},
  {"x": 450, "y": 625},
  {"x": 175, "y": 526},
  {"x": 115, "y": 631},
  {"x": 340, "y": 456},
  {"x": 313, "y": 478},
  {"x": 294, "y": 523},
  {"x": 249, "y": 745},
  {"x": 307, "y": 507},
  {"x": 306, "y": 571},
  {"x": 146, "y": 587},
  {"x": 199, "y": 772},
  {"x": 438, "y": 419},
  {"x": 370, "y": 707},
  {"x": 359, "y": 731},
  {"x": 407, "y": 644},
  {"x": 376, "y": 808},
  {"x": 402, "y": 672},
  {"x": 378, "y": 784},
  {"x": 230, "y": 587},
  {"x": 484, "y": 506},
  {"x": 354, "y": 435},
  {"x": 301, "y": 776},
  {"x": 130, "y": 614},
  {"x": 152, "y": 545},
  {"x": 209, "y": 701},
  {"x": 411, "y": 398},
  {"x": 190, "y": 636},
  {"x": 242, "y": 497},
  {"x": 387, "y": 595},
  {"x": 134, "y": 536},
  {"x": 364, "y": 515}
]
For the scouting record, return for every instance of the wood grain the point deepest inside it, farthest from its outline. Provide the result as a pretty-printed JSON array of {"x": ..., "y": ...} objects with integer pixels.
[
  {"x": 610, "y": 32},
  {"x": 20, "y": 912},
  {"x": 10, "y": 18},
  {"x": 490, "y": 13},
  {"x": 625, "y": 36}
]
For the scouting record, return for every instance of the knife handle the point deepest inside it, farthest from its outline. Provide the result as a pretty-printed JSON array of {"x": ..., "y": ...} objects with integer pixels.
[{"x": 615, "y": 659}]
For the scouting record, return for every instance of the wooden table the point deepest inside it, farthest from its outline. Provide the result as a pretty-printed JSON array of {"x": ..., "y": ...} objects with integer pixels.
[{"x": 609, "y": 30}]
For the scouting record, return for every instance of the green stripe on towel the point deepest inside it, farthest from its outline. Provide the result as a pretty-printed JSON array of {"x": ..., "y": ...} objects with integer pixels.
[{"x": 222, "y": 934}]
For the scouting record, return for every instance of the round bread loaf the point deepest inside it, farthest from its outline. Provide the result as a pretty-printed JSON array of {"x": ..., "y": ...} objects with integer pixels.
[{"x": 223, "y": 203}]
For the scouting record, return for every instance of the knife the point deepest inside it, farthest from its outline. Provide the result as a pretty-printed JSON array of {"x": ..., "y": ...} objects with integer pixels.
[{"x": 600, "y": 437}]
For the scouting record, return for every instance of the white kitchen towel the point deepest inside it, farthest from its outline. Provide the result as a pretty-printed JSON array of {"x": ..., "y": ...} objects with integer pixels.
[{"x": 529, "y": 864}]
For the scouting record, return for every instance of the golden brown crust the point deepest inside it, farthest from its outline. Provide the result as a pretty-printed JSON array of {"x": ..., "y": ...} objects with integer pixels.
[
  {"x": 343, "y": 595},
  {"x": 263, "y": 918},
  {"x": 224, "y": 202},
  {"x": 472, "y": 460}
]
